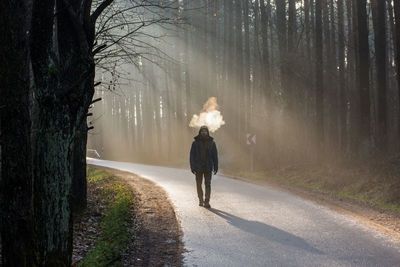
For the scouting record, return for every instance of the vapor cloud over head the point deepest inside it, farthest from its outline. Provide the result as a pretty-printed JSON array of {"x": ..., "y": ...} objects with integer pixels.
[{"x": 209, "y": 116}]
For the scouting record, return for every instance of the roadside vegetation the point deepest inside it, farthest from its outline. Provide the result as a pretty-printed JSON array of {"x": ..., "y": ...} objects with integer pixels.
[
  {"x": 118, "y": 201},
  {"x": 377, "y": 185}
]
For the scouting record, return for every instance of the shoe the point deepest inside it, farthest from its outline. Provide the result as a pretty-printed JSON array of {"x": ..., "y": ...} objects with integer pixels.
[{"x": 207, "y": 205}]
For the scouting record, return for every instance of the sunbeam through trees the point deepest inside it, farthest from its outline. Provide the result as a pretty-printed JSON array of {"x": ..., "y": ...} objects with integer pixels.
[{"x": 314, "y": 80}]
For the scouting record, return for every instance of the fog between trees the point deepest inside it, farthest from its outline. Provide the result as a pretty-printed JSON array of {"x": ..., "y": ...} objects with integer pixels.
[{"x": 314, "y": 80}]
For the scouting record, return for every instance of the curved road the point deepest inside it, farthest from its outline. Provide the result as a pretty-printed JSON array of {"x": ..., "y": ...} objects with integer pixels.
[{"x": 251, "y": 225}]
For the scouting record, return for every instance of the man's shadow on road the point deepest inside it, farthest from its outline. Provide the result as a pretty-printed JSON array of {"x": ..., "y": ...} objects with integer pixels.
[{"x": 266, "y": 231}]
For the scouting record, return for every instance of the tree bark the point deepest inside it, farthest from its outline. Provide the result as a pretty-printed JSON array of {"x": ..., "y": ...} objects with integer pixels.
[
  {"x": 63, "y": 68},
  {"x": 282, "y": 40},
  {"x": 397, "y": 22},
  {"x": 17, "y": 226},
  {"x": 204, "y": 49},
  {"x": 333, "y": 69},
  {"x": 342, "y": 106},
  {"x": 291, "y": 93},
  {"x": 53, "y": 178},
  {"x": 379, "y": 22},
  {"x": 265, "y": 48},
  {"x": 364, "y": 130},
  {"x": 187, "y": 62},
  {"x": 213, "y": 10},
  {"x": 257, "y": 52},
  {"x": 246, "y": 65},
  {"x": 79, "y": 183},
  {"x": 307, "y": 23},
  {"x": 238, "y": 68},
  {"x": 319, "y": 73}
]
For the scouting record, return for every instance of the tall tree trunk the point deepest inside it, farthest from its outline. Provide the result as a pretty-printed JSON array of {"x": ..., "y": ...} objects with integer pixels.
[
  {"x": 308, "y": 26},
  {"x": 307, "y": 23},
  {"x": 271, "y": 40},
  {"x": 265, "y": 48},
  {"x": 379, "y": 22},
  {"x": 257, "y": 51},
  {"x": 187, "y": 60},
  {"x": 157, "y": 124},
  {"x": 53, "y": 177},
  {"x": 225, "y": 55},
  {"x": 64, "y": 73},
  {"x": 391, "y": 45},
  {"x": 213, "y": 43},
  {"x": 311, "y": 101},
  {"x": 138, "y": 126},
  {"x": 79, "y": 51},
  {"x": 238, "y": 67},
  {"x": 52, "y": 144},
  {"x": 17, "y": 227},
  {"x": 177, "y": 76},
  {"x": 319, "y": 79},
  {"x": 333, "y": 66},
  {"x": 291, "y": 92},
  {"x": 342, "y": 106},
  {"x": 392, "y": 30},
  {"x": 204, "y": 48},
  {"x": 397, "y": 20},
  {"x": 353, "y": 66},
  {"x": 79, "y": 184},
  {"x": 79, "y": 180},
  {"x": 246, "y": 65},
  {"x": 364, "y": 130},
  {"x": 327, "y": 64},
  {"x": 257, "y": 63},
  {"x": 282, "y": 40}
]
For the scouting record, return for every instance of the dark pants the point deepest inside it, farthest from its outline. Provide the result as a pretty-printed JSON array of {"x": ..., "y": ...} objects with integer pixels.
[{"x": 207, "y": 182}]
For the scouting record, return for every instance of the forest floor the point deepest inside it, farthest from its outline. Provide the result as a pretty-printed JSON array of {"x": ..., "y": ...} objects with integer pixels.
[
  {"x": 371, "y": 192},
  {"x": 157, "y": 234}
]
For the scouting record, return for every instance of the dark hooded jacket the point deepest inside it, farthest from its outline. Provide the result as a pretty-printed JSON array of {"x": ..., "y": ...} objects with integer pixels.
[{"x": 211, "y": 154}]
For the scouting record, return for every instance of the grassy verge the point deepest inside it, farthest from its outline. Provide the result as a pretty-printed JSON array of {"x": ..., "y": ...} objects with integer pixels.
[
  {"x": 118, "y": 200},
  {"x": 378, "y": 188}
]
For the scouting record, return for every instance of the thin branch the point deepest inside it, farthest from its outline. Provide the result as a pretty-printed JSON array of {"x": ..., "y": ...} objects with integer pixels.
[
  {"x": 96, "y": 100},
  {"x": 99, "y": 10},
  {"x": 98, "y": 49}
]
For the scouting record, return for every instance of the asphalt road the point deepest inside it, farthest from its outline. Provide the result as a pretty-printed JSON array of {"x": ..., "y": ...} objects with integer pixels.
[{"x": 251, "y": 225}]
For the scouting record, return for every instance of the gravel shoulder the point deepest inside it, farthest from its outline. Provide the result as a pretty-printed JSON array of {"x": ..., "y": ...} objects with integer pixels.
[{"x": 159, "y": 235}]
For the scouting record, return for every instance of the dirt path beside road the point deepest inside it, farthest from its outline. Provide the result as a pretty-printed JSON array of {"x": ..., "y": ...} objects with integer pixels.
[{"x": 159, "y": 239}]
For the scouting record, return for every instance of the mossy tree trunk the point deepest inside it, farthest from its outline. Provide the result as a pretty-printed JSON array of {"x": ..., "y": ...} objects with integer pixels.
[
  {"x": 52, "y": 183},
  {"x": 63, "y": 70}
]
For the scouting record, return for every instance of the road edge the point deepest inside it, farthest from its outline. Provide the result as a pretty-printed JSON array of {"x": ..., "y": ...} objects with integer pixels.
[
  {"x": 381, "y": 220},
  {"x": 148, "y": 245}
]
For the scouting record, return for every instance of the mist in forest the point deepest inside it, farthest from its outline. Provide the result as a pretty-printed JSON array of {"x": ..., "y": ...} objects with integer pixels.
[
  {"x": 290, "y": 74},
  {"x": 209, "y": 116}
]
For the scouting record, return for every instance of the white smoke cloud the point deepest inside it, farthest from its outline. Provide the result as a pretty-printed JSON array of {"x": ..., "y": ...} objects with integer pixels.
[{"x": 209, "y": 116}]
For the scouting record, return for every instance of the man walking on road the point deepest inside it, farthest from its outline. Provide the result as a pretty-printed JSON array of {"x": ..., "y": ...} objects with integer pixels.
[{"x": 203, "y": 161}]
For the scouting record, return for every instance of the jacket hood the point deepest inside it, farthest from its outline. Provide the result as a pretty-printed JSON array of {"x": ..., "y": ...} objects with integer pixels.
[{"x": 198, "y": 137}]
